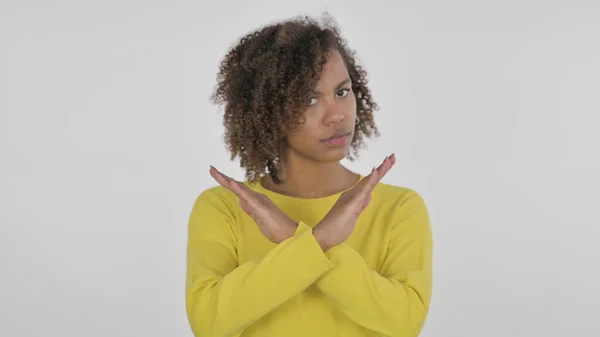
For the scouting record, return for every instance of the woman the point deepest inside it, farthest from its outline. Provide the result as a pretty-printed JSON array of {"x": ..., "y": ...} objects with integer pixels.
[{"x": 303, "y": 246}]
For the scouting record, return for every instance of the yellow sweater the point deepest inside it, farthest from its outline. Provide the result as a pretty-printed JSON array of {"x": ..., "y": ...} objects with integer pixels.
[{"x": 377, "y": 283}]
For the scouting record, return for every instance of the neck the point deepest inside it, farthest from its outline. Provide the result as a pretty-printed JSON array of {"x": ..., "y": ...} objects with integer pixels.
[{"x": 304, "y": 178}]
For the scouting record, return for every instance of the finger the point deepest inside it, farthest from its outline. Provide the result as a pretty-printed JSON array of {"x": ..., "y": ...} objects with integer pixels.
[
  {"x": 387, "y": 163},
  {"x": 367, "y": 183},
  {"x": 373, "y": 180},
  {"x": 245, "y": 207},
  {"x": 366, "y": 201},
  {"x": 229, "y": 183},
  {"x": 246, "y": 190},
  {"x": 376, "y": 174},
  {"x": 242, "y": 191},
  {"x": 363, "y": 181},
  {"x": 385, "y": 167},
  {"x": 219, "y": 177}
]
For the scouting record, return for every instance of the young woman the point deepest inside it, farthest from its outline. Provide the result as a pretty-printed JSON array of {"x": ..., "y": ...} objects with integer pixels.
[{"x": 303, "y": 246}]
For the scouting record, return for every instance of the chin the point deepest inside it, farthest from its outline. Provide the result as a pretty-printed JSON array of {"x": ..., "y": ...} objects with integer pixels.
[{"x": 335, "y": 155}]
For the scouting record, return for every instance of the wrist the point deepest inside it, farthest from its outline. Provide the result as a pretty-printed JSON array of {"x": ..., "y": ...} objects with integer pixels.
[
  {"x": 320, "y": 239},
  {"x": 289, "y": 231}
]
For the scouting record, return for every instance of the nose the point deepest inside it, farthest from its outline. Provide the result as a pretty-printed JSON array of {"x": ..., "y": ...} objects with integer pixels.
[{"x": 334, "y": 114}]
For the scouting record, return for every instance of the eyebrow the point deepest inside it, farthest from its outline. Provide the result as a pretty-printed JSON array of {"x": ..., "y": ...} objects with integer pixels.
[{"x": 317, "y": 92}]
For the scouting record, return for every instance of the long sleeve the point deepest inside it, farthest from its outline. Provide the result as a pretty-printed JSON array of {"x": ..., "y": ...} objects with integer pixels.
[
  {"x": 395, "y": 301},
  {"x": 222, "y": 298}
]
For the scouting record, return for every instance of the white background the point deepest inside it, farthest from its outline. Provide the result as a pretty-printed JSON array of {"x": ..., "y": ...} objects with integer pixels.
[{"x": 107, "y": 133}]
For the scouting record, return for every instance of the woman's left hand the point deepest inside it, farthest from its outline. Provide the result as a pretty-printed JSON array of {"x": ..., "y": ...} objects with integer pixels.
[{"x": 339, "y": 223}]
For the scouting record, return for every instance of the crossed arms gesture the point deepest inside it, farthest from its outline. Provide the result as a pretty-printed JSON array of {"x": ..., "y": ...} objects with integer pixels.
[{"x": 332, "y": 230}]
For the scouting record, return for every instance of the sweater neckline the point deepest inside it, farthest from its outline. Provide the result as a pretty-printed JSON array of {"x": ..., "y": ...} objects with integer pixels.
[{"x": 257, "y": 186}]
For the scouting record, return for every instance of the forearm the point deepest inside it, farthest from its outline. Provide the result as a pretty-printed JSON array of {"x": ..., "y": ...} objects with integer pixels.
[
  {"x": 389, "y": 306},
  {"x": 224, "y": 305}
]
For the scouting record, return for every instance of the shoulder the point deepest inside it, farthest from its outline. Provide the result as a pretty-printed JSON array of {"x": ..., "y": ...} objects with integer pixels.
[
  {"x": 215, "y": 201},
  {"x": 402, "y": 201},
  {"x": 215, "y": 193},
  {"x": 394, "y": 193}
]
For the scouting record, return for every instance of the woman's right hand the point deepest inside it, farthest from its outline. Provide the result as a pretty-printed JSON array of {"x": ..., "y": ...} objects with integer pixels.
[{"x": 271, "y": 221}]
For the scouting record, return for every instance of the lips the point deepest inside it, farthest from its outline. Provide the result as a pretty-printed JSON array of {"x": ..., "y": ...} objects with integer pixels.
[
  {"x": 338, "y": 135},
  {"x": 338, "y": 140}
]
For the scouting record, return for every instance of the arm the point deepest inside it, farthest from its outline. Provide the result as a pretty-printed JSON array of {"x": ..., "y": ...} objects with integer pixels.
[
  {"x": 223, "y": 298},
  {"x": 395, "y": 301}
]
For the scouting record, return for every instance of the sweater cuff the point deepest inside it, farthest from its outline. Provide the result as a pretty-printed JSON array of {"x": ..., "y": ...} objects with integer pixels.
[
  {"x": 344, "y": 254},
  {"x": 314, "y": 253}
]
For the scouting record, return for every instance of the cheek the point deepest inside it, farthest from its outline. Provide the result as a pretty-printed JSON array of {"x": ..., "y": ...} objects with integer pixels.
[
  {"x": 351, "y": 103},
  {"x": 304, "y": 136}
]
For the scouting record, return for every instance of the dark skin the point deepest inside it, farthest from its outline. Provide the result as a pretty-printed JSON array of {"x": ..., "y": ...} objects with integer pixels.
[{"x": 310, "y": 165}]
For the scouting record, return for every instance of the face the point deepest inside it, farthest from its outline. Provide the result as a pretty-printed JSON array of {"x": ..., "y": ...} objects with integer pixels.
[{"x": 329, "y": 119}]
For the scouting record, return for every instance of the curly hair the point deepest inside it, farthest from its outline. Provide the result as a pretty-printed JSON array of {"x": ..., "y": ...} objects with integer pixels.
[{"x": 265, "y": 81}]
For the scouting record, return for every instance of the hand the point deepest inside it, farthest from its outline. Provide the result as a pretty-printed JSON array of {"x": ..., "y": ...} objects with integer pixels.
[
  {"x": 271, "y": 220},
  {"x": 339, "y": 223}
]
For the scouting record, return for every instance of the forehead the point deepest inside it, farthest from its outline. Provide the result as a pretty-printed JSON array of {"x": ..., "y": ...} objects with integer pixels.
[{"x": 334, "y": 70}]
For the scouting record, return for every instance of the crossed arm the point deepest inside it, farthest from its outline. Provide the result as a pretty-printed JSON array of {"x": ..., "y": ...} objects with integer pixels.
[{"x": 393, "y": 302}]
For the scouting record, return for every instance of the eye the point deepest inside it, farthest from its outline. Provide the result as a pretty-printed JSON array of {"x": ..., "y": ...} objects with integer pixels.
[{"x": 346, "y": 91}]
